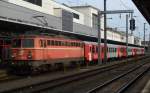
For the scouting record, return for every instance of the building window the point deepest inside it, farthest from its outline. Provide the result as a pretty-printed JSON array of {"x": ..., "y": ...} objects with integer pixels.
[
  {"x": 95, "y": 21},
  {"x": 36, "y": 2},
  {"x": 76, "y": 16}
]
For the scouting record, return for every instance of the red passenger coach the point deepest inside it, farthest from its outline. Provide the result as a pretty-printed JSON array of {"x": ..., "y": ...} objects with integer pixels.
[{"x": 44, "y": 51}]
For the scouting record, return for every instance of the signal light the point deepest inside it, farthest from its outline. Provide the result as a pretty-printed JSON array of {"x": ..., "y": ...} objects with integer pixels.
[{"x": 132, "y": 24}]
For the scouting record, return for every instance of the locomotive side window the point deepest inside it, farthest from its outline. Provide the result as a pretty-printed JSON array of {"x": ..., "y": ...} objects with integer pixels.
[
  {"x": 27, "y": 43},
  {"x": 16, "y": 43},
  {"x": 59, "y": 42},
  {"x": 41, "y": 43},
  {"x": 48, "y": 42},
  {"x": 44, "y": 43},
  {"x": 62, "y": 43},
  {"x": 52, "y": 43},
  {"x": 71, "y": 43}
]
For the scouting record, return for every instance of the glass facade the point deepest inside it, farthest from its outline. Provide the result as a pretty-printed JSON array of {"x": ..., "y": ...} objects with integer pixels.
[{"x": 36, "y": 2}]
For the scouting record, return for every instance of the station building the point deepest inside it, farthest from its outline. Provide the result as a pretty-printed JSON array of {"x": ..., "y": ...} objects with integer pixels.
[{"x": 81, "y": 20}]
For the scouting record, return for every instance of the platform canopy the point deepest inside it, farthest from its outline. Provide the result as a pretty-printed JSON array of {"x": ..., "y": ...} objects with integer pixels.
[{"x": 144, "y": 8}]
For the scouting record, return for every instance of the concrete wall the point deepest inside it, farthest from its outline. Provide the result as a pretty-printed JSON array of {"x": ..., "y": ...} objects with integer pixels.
[{"x": 84, "y": 30}]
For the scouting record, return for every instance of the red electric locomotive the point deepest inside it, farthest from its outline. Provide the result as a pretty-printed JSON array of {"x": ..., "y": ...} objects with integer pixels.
[
  {"x": 41, "y": 52},
  {"x": 37, "y": 52}
]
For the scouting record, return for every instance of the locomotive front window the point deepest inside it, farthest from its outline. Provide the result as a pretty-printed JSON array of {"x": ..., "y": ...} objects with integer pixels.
[
  {"x": 16, "y": 43},
  {"x": 27, "y": 43},
  {"x": 7, "y": 42},
  {"x": 1, "y": 42}
]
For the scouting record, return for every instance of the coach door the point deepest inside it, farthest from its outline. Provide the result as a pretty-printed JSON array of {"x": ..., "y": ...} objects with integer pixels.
[{"x": 90, "y": 53}]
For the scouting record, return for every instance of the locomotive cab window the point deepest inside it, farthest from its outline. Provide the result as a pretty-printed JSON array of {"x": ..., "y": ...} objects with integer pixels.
[
  {"x": 28, "y": 43},
  {"x": 16, "y": 43},
  {"x": 1, "y": 42}
]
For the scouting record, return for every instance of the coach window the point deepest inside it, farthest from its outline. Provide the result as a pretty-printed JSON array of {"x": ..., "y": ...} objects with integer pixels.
[
  {"x": 107, "y": 49},
  {"x": 93, "y": 49},
  {"x": 96, "y": 49},
  {"x": 80, "y": 45},
  {"x": 102, "y": 49}
]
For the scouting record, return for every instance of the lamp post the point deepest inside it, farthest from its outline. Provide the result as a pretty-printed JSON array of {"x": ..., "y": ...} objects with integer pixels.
[
  {"x": 144, "y": 34},
  {"x": 127, "y": 18},
  {"x": 105, "y": 32},
  {"x": 99, "y": 38}
]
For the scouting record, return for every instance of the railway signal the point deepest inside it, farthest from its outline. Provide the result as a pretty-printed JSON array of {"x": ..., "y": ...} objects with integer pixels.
[{"x": 132, "y": 24}]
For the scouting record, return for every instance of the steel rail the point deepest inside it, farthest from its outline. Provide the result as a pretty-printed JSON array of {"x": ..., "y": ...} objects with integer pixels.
[
  {"x": 126, "y": 86},
  {"x": 94, "y": 90},
  {"x": 63, "y": 80}
]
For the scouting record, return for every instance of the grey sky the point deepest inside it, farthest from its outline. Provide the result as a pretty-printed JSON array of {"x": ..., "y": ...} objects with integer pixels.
[{"x": 115, "y": 5}]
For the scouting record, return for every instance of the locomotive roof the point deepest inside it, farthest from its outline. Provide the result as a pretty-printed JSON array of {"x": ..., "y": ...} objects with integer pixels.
[
  {"x": 75, "y": 40},
  {"x": 44, "y": 36}
]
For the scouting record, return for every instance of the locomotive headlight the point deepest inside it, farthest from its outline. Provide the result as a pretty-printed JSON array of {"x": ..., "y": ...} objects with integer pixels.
[{"x": 12, "y": 56}]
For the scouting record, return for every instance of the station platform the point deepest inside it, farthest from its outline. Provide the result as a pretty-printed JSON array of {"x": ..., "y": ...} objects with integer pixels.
[{"x": 146, "y": 88}]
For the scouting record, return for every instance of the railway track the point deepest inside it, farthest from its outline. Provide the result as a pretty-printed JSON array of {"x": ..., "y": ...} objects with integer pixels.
[
  {"x": 44, "y": 86},
  {"x": 5, "y": 77},
  {"x": 122, "y": 82}
]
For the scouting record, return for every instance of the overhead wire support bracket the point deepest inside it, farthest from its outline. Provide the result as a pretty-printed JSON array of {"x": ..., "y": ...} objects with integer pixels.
[{"x": 117, "y": 11}]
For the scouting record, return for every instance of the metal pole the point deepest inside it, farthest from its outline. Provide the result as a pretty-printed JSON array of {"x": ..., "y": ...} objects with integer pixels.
[
  {"x": 99, "y": 38},
  {"x": 127, "y": 18},
  {"x": 105, "y": 33},
  {"x": 131, "y": 18},
  {"x": 144, "y": 34},
  {"x": 149, "y": 42}
]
